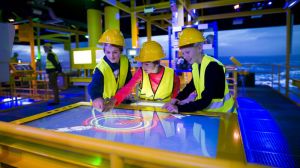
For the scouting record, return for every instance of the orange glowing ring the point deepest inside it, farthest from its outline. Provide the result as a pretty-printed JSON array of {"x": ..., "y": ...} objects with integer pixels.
[{"x": 123, "y": 123}]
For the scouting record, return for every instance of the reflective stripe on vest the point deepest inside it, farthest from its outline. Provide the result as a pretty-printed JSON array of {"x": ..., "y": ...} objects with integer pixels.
[
  {"x": 111, "y": 85},
  {"x": 164, "y": 90},
  {"x": 49, "y": 64},
  {"x": 225, "y": 104}
]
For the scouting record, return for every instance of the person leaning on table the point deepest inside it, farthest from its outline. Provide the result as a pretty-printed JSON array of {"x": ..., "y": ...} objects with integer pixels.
[
  {"x": 208, "y": 85},
  {"x": 113, "y": 70},
  {"x": 157, "y": 82}
]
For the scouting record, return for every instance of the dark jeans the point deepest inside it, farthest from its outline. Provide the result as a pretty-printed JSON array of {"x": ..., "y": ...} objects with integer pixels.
[{"x": 53, "y": 85}]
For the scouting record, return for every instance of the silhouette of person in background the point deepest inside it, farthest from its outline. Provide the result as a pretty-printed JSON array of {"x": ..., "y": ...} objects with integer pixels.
[{"x": 53, "y": 67}]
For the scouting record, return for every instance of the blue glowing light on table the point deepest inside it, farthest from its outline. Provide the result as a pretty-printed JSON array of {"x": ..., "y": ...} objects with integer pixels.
[{"x": 195, "y": 135}]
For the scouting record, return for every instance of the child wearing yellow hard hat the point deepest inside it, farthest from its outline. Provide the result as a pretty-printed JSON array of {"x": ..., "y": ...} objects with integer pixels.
[
  {"x": 208, "y": 81},
  {"x": 156, "y": 81},
  {"x": 113, "y": 70}
]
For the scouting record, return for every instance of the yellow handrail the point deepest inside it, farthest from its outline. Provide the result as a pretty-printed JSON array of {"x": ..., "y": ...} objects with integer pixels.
[{"x": 117, "y": 151}]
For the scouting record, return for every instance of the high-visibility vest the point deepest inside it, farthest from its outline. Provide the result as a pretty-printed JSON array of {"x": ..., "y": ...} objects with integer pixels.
[
  {"x": 49, "y": 64},
  {"x": 225, "y": 104},
  {"x": 111, "y": 85},
  {"x": 164, "y": 90}
]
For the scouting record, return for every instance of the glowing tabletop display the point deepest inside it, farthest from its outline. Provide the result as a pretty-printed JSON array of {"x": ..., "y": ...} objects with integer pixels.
[{"x": 195, "y": 135}]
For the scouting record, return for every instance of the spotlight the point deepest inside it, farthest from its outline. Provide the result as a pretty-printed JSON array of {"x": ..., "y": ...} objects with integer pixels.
[
  {"x": 236, "y": 6},
  {"x": 11, "y": 20},
  {"x": 290, "y": 3}
]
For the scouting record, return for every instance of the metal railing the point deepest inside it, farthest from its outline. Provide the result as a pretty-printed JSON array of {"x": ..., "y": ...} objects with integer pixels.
[{"x": 274, "y": 75}]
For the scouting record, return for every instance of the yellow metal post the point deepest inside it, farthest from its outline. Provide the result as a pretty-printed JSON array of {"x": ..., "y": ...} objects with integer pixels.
[
  {"x": 134, "y": 26},
  {"x": 94, "y": 26},
  {"x": 31, "y": 42},
  {"x": 180, "y": 21},
  {"x": 38, "y": 42},
  {"x": 111, "y": 17},
  {"x": 288, "y": 50},
  {"x": 32, "y": 55},
  {"x": 149, "y": 30},
  {"x": 116, "y": 161}
]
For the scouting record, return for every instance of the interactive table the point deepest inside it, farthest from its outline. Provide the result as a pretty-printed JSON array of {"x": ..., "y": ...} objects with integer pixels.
[{"x": 140, "y": 134}]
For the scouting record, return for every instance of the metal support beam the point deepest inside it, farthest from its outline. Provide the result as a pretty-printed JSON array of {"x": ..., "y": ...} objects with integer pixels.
[
  {"x": 186, "y": 4},
  {"x": 161, "y": 17},
  {"x": 240, "y": 14},
  {"x": 118, "y": 5},
  {"x": 162, "y": 27},
  {"x": 127, "y": 9},
  {"x": 55, "y": 39},
  {"x": 54, "y": 35},
  {"x": 219, "y": 3},
  {"x": 161, "y": 5},
  {"x": 167, "y": 20},
  {"x": 44, "y": 26}
]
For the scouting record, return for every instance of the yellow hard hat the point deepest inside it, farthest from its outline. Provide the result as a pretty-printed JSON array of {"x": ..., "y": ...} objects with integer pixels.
[
  {"x": 150, "y": 51},
  {"x": 112, "y": 36},
  {"x": 190, "y": 36},
  {"x": 48, "y": 45}
]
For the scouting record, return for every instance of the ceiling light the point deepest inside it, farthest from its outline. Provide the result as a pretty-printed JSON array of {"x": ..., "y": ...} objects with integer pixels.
[
  {"x": 290, "y": 3},
  {"x": 149, "y": 9},
  {"x": 11, "y": 20},
  {"x": 237, "y": 6}
]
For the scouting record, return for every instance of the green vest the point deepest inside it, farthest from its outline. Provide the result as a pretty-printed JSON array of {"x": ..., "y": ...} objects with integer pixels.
[
  {"x": 225, "y": 104},
  {"x": 164, "y": 90},
  {"x": 49, "y": 64},
  {"x": 111, "y": 85}
]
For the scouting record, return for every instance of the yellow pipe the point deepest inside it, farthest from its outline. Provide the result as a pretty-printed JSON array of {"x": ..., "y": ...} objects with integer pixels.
[
  {"x": 149, "y": 30},
  {"x": 111, "y": 18},
  {"x": 94, "y": 26},
  {"x": 32, "y": 55},
  {"x": 134, "y": 27},
  {"x": 31, "y": 41},
  {"x": 38, "y": 43}
]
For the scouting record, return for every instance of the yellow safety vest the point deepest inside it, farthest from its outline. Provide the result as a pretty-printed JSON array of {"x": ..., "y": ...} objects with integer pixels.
[
  {"x": 164, "y": 90},
  {"x": 110, "y": 84},
  {"x": 49, "y": 64},
  {"x": 225, "y": 104}
]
